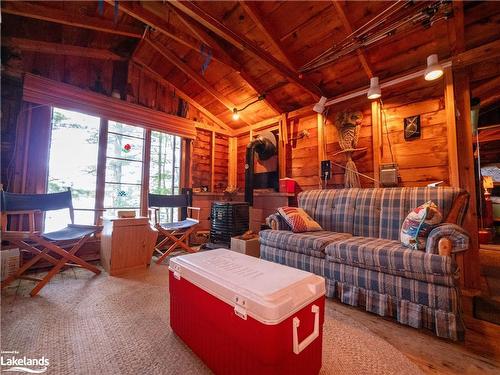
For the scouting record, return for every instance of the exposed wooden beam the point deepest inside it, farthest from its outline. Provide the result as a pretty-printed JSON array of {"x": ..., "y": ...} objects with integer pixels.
[
  {"x": 51, "y": 14},
  {"x": 451, "y": 127},
  {"x": 194, "y": 31},
  {"x": 200, "y": 80},
  {"x": 479, "y": 54},
  {"x": 236, "y": 62},
  {"x": 377, "y": 142},
  {"x": 212, "y": 163},
  {"x": 469, "y": 261},
  {"x": 244, "y": 44},
  {"x": 224, "y": 129},
  {"x": 339, "y": 7},
  {"x": 252, "y": 11},
  {"x": 59, "y": 49},
  {"x": 159, "y": 24}
]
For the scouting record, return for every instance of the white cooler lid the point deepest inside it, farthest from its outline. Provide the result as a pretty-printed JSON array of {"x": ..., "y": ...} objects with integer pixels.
[{"x": 266, "y": 291}]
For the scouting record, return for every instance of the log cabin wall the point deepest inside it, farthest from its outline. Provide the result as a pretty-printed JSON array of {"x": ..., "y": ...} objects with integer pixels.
[
  {"x": 201, "y": 159},
  {"x": 415, "y": 169}
]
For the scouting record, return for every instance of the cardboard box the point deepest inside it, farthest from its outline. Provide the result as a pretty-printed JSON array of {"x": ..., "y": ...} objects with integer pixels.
[
  {"x": 248, "y": 247},
  {"x": 9, "y": 259}
]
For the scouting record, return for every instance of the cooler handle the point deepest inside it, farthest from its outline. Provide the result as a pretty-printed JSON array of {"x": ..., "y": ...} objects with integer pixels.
[{"x": 298, "y": 347}]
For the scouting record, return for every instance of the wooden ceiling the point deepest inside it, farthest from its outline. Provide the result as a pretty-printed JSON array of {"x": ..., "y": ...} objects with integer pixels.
[{"x": 250, "y": 47}]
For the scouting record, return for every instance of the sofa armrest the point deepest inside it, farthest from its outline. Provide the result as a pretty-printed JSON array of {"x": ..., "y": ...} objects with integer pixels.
[
  {"x": 447, "y": 239},
  {"x": 277, "y": 222}
]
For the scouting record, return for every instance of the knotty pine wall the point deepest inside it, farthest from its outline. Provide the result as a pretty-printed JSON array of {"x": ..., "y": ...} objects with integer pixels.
[
  {"x": 421, "y": 161},
  {"x": 136, "y": 85}
]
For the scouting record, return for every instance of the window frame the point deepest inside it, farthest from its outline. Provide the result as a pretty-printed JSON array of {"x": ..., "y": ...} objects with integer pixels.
[{"x": 146, "y": 162}]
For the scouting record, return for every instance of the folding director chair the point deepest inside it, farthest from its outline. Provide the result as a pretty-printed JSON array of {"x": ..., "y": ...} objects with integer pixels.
[
  {"x": 64, "y": 242},
  {"x": 175, "y": 232}
]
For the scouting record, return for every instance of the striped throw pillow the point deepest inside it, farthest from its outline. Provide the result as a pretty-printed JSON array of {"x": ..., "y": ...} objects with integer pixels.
[{"x": 298, "y": 220}]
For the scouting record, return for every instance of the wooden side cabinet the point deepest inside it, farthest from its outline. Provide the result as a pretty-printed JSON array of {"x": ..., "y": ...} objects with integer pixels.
[{"x": 126, "y": 244}]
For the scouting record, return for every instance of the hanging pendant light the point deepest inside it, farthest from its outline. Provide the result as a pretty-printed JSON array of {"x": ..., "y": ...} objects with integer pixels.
[
  {"x": 374, "y": 91},
  {"x": 434, "y": 69},
  {"x": 319, "y": 107}
]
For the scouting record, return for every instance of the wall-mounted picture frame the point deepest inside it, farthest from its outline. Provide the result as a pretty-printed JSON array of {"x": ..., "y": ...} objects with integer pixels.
[{"x": 411, "y": 127}]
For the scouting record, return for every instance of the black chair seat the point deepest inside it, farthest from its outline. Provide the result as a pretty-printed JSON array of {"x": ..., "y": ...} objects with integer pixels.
[
  {"x": 68, "y": 234},
  {"x": 184, "y": 224}
]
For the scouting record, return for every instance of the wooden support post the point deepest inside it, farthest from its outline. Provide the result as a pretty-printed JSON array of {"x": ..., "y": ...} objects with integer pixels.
[
  {"x": 467, "y": 177},
  {"x": 101, "y": 169},
  {"x": 321, "y": 141},
  {"x": 451, "y": 127},
  {"x": 185, "y": 174},
  {"x": 232, "y": 162},
  {"x": 145, "y": 173},
  {"x": 283, "y": 141},
  {"x": 212, "y": 164},
  {"x": 377, "y": 141}
]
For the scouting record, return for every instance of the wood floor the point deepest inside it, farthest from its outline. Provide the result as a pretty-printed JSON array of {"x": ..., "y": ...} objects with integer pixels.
[{"x": 479, "y": 354}]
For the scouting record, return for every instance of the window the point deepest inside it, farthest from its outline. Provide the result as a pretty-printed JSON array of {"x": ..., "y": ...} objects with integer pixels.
[
  {"x": 164, "y": 174},
  {"x": 124, "y": 165},
  {"x": 73, "y": 164}
]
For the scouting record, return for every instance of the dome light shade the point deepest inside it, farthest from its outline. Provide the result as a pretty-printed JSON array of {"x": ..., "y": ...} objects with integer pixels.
[
  {"x": 319, "y": 107},
  {"x": 434, "y": 69},
  {"x": 374, "y": 91},
  {"x": 236, "y": 115}
]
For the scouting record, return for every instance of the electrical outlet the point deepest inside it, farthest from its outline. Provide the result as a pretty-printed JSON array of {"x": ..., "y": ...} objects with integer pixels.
[{"x": 326, "y": 169}]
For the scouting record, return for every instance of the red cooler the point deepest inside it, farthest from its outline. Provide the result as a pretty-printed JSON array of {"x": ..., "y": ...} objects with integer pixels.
[{"x": 244, "y": 315}]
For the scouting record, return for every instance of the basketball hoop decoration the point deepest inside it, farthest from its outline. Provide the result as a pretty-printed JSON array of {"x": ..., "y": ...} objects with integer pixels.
[
  {"x": 127, "y": 147},
  {"x": 348, "y": 125}
]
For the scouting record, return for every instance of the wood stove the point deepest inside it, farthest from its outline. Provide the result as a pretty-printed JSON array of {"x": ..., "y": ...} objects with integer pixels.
[{"x": 228, "y": 219}]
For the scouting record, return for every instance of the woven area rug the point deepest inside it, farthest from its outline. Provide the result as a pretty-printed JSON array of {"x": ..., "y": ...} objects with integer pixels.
[{"x": 109, "y": 325}]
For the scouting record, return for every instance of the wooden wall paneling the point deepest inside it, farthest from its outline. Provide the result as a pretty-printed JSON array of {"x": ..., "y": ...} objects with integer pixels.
[
  {"x": 377, "y": 141},
  {"x": 451, "y": 135},
  {"x": 467, "y": 177},
  {"x": 201, "y": 159},
  {"x": 282, "y": 145},
  {"x": 186, "y": 164},
  {"x": 232, "y": 177},
  {"x": 221, "y": 162},
  {"x": 101, "y": 169},
  {"x": 212, "y": 163}
]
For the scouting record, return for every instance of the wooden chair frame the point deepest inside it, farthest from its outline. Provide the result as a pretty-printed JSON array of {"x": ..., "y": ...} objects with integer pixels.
[
  {"x": 33, "y": 241},
  {"x": 179, "y": 237}
]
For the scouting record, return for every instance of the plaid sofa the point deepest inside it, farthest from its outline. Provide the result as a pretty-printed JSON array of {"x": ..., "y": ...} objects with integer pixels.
[{"x": 363, "y": 261}]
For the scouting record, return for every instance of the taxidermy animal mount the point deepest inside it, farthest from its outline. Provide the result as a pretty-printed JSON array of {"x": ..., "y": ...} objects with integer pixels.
[{"x": 348, "y": 124}]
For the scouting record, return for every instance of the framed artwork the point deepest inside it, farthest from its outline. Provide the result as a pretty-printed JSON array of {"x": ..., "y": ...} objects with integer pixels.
[{"x": 412, "y": 127}]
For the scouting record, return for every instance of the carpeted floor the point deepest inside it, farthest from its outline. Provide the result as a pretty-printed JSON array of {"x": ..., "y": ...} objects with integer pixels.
[{"x": 109, "y": 325}]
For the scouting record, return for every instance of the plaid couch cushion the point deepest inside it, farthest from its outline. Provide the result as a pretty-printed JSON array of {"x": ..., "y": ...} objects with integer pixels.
[
  {"x": 392, "y": 258},
  {"x": 310, "y": 243}
]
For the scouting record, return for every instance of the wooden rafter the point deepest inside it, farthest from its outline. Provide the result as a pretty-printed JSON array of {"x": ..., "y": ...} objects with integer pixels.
[
  {"x": 45, "y": 13},
  {"x": 59, "y": 49},
  {"x": 252, "y": 11},
  {"x": 339, "y": 7},
  {"x": 244, "y": 44},
  {"x": 194, "y": 31},
  {"x": 224, "y": 129},
  {"x": 223, "y": 50},
  {"x": 159, "y": 24},
  {"x": 200, "y": 80}
]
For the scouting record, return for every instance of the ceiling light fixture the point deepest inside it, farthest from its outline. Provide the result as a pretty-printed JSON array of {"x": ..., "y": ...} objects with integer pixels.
[
  {"x": 319, "y": 107},
  {"x": 374, "y": 91},
  {"x": 236, "y": 111},
  {"x": 434, "y": 69}
]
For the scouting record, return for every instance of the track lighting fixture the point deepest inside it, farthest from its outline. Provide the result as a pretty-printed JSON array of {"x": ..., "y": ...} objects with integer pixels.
[
  {"x": 374, "y": 91},
  {"x": 434, "y": 69},
  {"x": 319, "y": 107}
]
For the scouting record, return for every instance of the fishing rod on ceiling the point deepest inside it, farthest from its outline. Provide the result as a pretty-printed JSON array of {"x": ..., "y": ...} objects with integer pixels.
[{"x": 398, "y": 18}]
